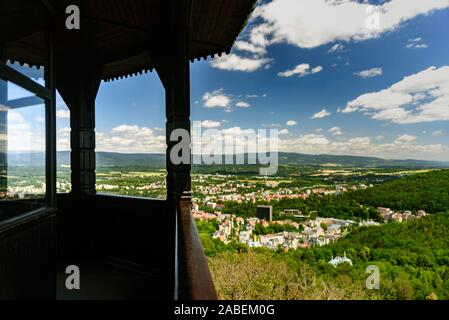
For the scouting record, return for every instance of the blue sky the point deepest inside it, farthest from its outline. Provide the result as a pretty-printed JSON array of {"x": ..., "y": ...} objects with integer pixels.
[{"x": 257, "y": 86}]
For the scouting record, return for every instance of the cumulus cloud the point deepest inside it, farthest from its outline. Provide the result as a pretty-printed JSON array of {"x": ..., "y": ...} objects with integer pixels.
[
  {"x": 416, "y": 43},
  {"x": 242, "y": 104},
  {"x": 336, "y": 131},
  {"x": 437, "y": 133},
  {"x": 135, "y": 139},
  {"x": 249, "y": 47},
  {"x": 302, "y": 70},
  {"x": 312, "y": 23},
  {"x": 421, "y": 97},
  {"x": 63, "y": 139},
  {"x": 61, "y": 113},
  {"x": 405, "y": 138},
  {"x": 220, "y": 99},
  {"x": 210, "y": 124},
  {"x": 216, "y": 99},
  {"x": 370, "y": 73},
  {"x": 336, "y": 48},
  {"x": 322, "y": 114},
  {"x": 234, "y": 62},
  {"x": 130, "y": 139},
  {"x": 402, "y": 147},
  {"x": 291, "y": 123},
  {"x": 25, "y": 134}
]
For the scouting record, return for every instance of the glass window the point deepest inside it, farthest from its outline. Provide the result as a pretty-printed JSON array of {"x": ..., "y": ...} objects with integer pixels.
[
  {"x": 22, "y": 150},
  {"x": 130, "y": 138},
  {"x": 63, "y": 182},
  {"x": 34, "y": 73}
]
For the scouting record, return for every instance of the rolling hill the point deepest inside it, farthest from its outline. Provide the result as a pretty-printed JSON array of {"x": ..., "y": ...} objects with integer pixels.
[{"x": 157, "y": 161}]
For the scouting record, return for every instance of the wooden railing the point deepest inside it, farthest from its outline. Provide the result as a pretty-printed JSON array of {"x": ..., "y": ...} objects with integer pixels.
[{"x": 194, "y": 281}]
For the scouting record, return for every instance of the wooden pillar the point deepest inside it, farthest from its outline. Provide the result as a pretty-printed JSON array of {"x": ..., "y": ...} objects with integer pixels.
[
  {"x": 177, "y": 73},
  {"x": 173, "y": 67},
  {"x": 79, "y": 93},
  {"x": 50, "y": 118},
  {"x": 78, "y": 81}
]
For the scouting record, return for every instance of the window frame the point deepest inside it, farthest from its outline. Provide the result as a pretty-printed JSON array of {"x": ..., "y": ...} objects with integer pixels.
[{"x": 48, "y": 94}]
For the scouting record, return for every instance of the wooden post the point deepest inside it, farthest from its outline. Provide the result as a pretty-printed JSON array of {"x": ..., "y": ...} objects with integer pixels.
[
  {"x": 80, "y": 98},
  {"x": 78, "y": 81},
  {"x": 172, "y": 65},
  {"x": 50, "y": 118},
  {"x": 178, "y": 99}
]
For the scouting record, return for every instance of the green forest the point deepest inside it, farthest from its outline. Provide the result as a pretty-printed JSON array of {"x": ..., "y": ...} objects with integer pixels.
[
  {"x": 412, "y": 257},
  {"x": 427, "y": 191}
]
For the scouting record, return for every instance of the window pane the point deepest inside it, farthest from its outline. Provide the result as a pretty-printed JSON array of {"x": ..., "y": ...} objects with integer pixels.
[
  {"x": 33, "y": 73},
  {"x": 130, "y": 138},
  {"x": 63, "y": 182},
  {"x": 22, "y": 150}
]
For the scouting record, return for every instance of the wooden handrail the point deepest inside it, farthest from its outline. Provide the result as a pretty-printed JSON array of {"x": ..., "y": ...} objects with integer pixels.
[{"x": 194, "y": 278}]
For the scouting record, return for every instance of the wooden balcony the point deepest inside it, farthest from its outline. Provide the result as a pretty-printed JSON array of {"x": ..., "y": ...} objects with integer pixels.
[{"x": 126, "y": 248}]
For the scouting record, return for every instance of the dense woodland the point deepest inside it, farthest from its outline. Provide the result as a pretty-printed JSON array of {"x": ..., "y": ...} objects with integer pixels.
[
  {"x": 413, "y": 256},
  {"x": 427, "y": 191},
  {"x": 413, "y": 259}
]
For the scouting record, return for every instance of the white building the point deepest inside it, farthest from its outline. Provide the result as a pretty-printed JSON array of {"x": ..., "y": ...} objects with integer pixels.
[{"x": 339, "y": 260}]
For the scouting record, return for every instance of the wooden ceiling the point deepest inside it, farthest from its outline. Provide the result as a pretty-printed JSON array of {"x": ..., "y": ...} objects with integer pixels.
[{"x": 120, "y": 35}]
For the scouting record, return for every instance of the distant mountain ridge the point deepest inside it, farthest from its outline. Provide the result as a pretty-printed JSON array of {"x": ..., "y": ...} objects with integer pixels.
[{"x": 157, "y": 161}]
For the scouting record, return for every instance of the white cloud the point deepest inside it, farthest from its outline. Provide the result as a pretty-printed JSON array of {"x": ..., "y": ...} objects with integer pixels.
[
  {"x": 370, "y": 73},
  {"x": 312, "y": 23},
  {"x": 283, "y": 132},
  {"x": 405, "y": 139},
  {"x": 24, "y": 134},
  {"x": 336, "y": 131},
  {"x": 421, "y": 46},
  {"x": 130, "y": 139},
  {"x": 249, "y": 47},
  {"x": 421, "y": 97},
  {"x": 216, "y": 99},
  {"x": 210, "y": 124},
  {"x": 64, "y": 130},
  {"x": 416, "y": 43},
  {"x": 242, "y": 104},
  {"x": 291, "y": 123},
  {"x": 437, "y": 133},
  {"x": 233, "y": 62},
  {"x": 63, "y": 113},
  {"x": 322, "y": 114},
  {"x": 403, "y": 147},
  {"x": 414, "y": 40},
  {"x": 63, "y": 139},
  {"x": 336, "y": 48},
  {"x": 302, "y": 70}
]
